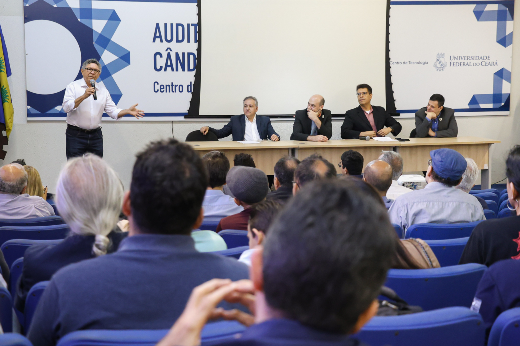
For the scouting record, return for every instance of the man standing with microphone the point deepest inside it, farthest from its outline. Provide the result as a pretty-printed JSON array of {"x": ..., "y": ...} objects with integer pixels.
[{"x": 84, "y": 102}]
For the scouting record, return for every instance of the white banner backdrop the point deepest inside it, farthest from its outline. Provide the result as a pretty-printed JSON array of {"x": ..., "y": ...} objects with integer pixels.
[
  {"x": 147, "y": 49},
  {"x": 460, "y": 49}
]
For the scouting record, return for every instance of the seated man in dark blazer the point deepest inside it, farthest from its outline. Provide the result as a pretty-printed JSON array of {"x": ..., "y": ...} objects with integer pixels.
[
  {"x": 314, "y": 123},
  {"x": 368, "y": 120},
  {"x": 435, "y": 120},
  {"x": 248, "y": 126}
]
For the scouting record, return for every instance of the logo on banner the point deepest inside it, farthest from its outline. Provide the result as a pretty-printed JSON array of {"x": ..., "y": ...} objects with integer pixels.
[{"x": 440, "y": 64}]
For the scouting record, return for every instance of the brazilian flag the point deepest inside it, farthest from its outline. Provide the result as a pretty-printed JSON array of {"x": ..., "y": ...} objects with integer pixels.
[{"x": 7, "y": 110}]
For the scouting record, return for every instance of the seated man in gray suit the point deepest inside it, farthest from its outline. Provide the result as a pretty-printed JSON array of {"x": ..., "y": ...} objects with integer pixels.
[
  {"x": 314, "y": 123},
  {"x": 435, "y": 120}
]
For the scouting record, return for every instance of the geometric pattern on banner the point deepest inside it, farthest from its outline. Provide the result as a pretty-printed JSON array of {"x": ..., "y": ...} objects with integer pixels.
[
  {"x": 501, "y": 16},
  {"x": 102, "y": 42},
  {"x": 497, "y": 98}
]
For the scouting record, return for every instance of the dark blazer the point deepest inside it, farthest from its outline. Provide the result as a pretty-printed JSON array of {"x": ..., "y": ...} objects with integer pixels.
[
  {"x": 356, "y": 122},
  {"x": 42, "y": 261},
  {"x": 447, "y": 123},
  {"x": 303, "y": 125},
  {"x": 281, "y": 195},
  {"x": 237, "y": 127}
]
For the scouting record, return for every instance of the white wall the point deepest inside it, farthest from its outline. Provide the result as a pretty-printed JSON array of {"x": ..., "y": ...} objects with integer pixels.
[{"x": 42, "y": 144}]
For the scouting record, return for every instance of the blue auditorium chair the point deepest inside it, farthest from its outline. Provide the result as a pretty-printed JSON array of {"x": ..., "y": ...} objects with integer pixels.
[
  {"x": 440, "y": 230},
  {"x": 398, "y": 230},
  {"x": 505, "y": 330},
  {"x": 502, "y": 199},
  {"x": 33, "y": 297},
  {"x": 448, "y": 251},
  {"x": 234, "y": 238},
  {"x": 503, "y": 205},
  {"x": 489, "y": 214},
  {"x": 492, "y": 205},
  {"x": 234, "y": 252},
  {"x": 6, "y": 310},
  {"x": 33, "y": 232},
  {"x": 212, "y": 334},
  {"x": 488, "y": 195},
  {"x": 210, "y": 223},
  {"x": 16, "y": 272},
  {"x": 438, "y": 287},
  {"x": 14, "y": 339},
  {"x": 455, "y": 326},
  {"x": 495, "y": 191},
  {"x": 35, "y": 221},
  {"x": 506, "y": 213},
  {"x": 15, "y": 248}
]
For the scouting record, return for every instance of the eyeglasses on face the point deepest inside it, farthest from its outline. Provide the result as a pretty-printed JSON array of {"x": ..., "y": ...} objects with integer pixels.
[{"x": 92, "y": 70}]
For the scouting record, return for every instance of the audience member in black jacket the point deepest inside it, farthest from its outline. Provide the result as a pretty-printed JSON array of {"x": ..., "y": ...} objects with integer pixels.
[{"x": 283, "y": 178}]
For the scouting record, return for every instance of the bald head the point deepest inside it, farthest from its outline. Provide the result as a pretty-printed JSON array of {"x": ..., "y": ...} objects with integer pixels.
[
  {"x": 13, "y": 179},
  {"x": 316, "y": 103},
  {"x": 379, "y": 174}
]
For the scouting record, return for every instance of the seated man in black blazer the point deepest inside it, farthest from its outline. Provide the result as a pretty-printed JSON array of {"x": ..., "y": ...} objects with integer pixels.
[
  {"x": 248, "y": 126},
  {"x": 314, "y": 123},
  {"x": 368, "y": 120},
  {"x": 435, "y": 120}
]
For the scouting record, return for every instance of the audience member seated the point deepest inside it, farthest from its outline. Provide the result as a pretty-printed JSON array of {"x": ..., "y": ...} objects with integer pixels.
[
  {"x": 352, "y": 163},
  {"x": 395, "y": 160},
  {"x": 469, "y": 178},
  {"x": 314, "y": 282},
  {"x": 34, "y": 183},
  {"x": 498, "y": 239},
  {"x": 147, "y": 282},
  {"x": 439, "y": 201},
  {"x": 216, "y": 203},
  {"x": 15, "y": 203},
  {"x": 410, "y": 253},
  {"x": 89, "y": 197},
  {"x": 379, "y": 174},
  {"x": 312, "y": 168},
  {"x": 241, "y": 159},
  {"x": 283, "y": 178},
  {"x": 249, "y": 186},
  {"x": 262, "y": 215}
]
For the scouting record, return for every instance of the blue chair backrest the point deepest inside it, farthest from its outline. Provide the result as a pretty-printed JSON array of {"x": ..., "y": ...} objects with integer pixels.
[
  {"x": 16, "y": 272},
  {"x": 14, "y": 339},
  {"x": 502, "y": 199},
  {"x": 492, "y": 205},
  {"x": 15, "y": 248},
  {"x": 234, "y": 238},
  {"x": 495, "y": 191},
  {"x": 505, "y": 331},
  {"x": 212, "y": 334},
  {"x": 398, "y": 230},
  {"x": 6, "y": 310},
  {"x": 33, "y": 232},
  {"x": 210, "y": 223},
  {"x": 506, "y": 213},
  {"x": 53, "y": 205},
  {"x": 454, "y": 326},
  {"x": 503, "y": 205},
  {"x": 438, "y": 287},
  {"x": 234, "y": 252},
  {"x": 489, "y": 214},
  {"x": 488, "y": 195},
  {"x": 35, "y": 221},
  {"x": 440, "y": 231},
  {"x": 31, "y": 302},
  {"x": 448, "y": 251}
]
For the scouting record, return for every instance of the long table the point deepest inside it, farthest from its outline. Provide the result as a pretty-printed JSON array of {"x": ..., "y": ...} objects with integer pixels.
[{"x": 415, "y": 152}]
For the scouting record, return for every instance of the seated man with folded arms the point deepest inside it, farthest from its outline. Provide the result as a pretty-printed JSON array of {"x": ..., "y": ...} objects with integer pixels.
[
  {"x": 313, "y": 282},
  {"x": 216, "y": 203},
  {"x": 469, "y": 178},
  {"x": 439, "y": 201},
  {"x": 249, "y": 186},
  {"x": 262, "y": 215},
  {"x": 435, "y": 120},
  {"x": 314, "y": 123},
  {"x": 147, "y": 282},
  {"x": 15, "y": 203},
  {"x": 352, "y": 163},
  {"x": 248, "y": 126},
  {"x": 379, "y": 175},
  {"x": 395, "y": 160},
  {"x": 283, "y": 178},
  {"x": 312, "y": 168}
]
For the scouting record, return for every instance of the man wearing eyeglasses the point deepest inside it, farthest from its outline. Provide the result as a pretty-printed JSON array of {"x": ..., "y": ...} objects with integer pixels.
[
  {"x": 84, "y": 105},
  {"x": 435, "y": 120},
  {"x": 367, "y": 120}
]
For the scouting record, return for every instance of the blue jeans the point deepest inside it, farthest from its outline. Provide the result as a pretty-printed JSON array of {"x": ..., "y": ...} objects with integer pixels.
[{"x": 80, "y": 142}]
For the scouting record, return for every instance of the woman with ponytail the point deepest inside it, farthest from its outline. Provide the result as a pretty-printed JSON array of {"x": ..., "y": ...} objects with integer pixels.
[{"x": 89, "y": 196}]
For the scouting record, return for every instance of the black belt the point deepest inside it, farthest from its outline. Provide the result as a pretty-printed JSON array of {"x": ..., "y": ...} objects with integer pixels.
[{"x": 75, "y": 128}]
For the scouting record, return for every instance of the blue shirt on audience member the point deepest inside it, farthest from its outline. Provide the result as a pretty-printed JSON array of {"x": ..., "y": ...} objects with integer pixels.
[{"x": 216, "y": 203}]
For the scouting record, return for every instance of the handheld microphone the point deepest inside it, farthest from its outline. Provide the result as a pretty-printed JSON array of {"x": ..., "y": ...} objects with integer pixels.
[
  {"x": 364, "y": 138},
  {"x": 93, "y": 84}
]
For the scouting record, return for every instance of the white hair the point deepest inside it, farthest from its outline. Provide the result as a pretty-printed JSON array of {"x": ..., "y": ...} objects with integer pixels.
[
  {"x": 395, "y": 160},
  {"x": 470, "y": 176},
  {"x": 89, "y": 196}
]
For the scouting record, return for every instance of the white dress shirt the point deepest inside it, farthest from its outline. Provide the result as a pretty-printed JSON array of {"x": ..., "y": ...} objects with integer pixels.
[
  {"x": 89, "y": 112},
  {"x": 396, "y": 190},
  {"x": 216, "y": 203},
  {"x": 251, "y": 133}
]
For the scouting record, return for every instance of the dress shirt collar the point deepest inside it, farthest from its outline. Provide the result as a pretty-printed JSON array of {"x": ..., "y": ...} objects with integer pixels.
[
  {"x": 434, "y": 185},
  {"x": 8, "y": 197},
  {"x": 214, "y": 193},
  {"x": 157, "y": 242},
  {"x": 368, "y": 112}
]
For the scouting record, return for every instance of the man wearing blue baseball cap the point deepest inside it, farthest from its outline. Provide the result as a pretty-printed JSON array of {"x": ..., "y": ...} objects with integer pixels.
[{"x": 439, "y": 201}]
